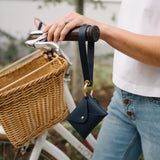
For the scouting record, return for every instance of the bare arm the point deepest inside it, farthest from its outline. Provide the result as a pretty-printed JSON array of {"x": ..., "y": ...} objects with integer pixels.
[{"x": 145, "y": 49}]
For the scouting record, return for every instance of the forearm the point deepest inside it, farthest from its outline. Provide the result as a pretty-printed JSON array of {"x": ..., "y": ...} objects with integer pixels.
[{"x": 145, "y": 49}]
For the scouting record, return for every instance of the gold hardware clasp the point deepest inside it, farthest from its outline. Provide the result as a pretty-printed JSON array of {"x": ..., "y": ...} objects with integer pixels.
[{"x": 86, "y": 85}]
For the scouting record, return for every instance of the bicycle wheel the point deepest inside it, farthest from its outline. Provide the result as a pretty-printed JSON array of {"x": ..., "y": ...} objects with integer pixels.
[{"x": 8, "y": 152}]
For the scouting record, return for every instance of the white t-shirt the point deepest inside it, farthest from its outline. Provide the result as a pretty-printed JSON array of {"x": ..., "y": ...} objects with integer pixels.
[{"x": 142, "y": 17}]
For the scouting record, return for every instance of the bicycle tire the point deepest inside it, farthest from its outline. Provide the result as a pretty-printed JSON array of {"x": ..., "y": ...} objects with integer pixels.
[{"x": 4, "y": 140}]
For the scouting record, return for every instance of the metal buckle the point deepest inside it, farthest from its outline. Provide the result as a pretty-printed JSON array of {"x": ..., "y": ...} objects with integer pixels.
[{"x": 86, "y": 85}]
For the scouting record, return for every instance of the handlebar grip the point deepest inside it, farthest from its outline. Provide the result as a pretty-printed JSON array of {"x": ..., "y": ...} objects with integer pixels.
[{"x": 92, "y": 34}]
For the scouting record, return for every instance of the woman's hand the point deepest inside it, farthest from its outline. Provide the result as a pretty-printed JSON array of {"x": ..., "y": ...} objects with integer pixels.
[{"x": 60, "y": 27}]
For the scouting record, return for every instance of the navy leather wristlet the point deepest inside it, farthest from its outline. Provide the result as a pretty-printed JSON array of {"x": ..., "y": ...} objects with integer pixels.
[{"x": 88, "y": 113}]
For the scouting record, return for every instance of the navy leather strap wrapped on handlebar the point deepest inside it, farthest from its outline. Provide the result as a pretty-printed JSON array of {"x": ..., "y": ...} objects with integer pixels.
[{"x": 87, "y": 58}]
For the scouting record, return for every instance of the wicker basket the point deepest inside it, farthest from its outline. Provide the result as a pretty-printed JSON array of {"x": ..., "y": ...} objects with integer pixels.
[{"x": 32, "y": 98}]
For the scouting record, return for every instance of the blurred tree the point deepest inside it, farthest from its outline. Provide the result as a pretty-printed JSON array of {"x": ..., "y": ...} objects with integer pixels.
[
  {"x": 3, "y": 33},
  {"x": 12, "y": 52},
  {"x": 73, "y": 2},
  {"x": 9, "y": 51}
]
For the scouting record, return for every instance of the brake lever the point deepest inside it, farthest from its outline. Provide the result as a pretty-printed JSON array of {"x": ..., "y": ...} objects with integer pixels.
[
  {"x": 41, "y": 38},
  {"x": 34, "y": 34}
]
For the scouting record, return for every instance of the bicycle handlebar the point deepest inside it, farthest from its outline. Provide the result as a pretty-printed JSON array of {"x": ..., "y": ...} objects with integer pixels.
[{"x": 92, "y": 34}]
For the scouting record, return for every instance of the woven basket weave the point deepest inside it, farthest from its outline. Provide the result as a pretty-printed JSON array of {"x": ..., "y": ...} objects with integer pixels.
[{"x": 32, "y": 98}]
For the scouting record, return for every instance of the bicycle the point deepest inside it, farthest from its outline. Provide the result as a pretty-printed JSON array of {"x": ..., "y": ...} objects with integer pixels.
[{"x": 41, "y": 146}]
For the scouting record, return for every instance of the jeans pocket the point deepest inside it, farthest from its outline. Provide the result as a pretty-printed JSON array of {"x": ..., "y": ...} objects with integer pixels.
[{"x": 155, "y": 100}]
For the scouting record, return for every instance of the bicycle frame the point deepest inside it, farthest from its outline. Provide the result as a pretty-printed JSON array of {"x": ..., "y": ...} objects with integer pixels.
[{"x": 41, "y": 142}]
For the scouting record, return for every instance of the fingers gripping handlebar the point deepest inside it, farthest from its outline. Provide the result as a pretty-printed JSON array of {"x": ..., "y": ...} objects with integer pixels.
[{"x": 92, "y": 34}]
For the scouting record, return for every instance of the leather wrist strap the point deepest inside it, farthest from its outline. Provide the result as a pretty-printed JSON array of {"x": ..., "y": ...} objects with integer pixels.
[{"x": 87, "y": 58}]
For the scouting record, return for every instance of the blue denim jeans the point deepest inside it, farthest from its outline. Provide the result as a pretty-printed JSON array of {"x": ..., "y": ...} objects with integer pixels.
[{"x": 132, "y": 127}]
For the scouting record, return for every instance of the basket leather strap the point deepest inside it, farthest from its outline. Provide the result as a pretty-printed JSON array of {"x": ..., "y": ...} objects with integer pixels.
[{"x": 87, "y": 58}]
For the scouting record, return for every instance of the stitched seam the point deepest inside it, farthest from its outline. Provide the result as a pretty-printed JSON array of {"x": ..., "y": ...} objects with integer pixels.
[{"x": 130, "y": 146}]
